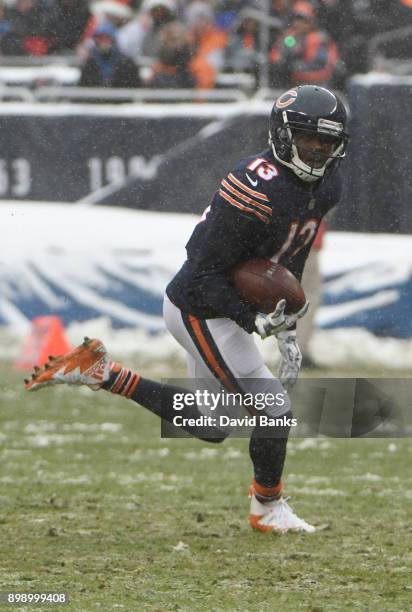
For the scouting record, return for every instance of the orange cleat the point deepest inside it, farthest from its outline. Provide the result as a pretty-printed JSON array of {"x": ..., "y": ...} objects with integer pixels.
[{"x": 87, "y": 364}]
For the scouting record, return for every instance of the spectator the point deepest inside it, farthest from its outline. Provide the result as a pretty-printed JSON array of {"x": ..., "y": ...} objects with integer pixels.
[
  {"x": 400, "y": 12},
  {"x": 405, "y": 7},
  {"x": 227, "y": 12},
  {"x": 115, "y": 12},
  {"x": 208, "y": 44},
  {"x": 304, "y": 53},
  {"x": 281, "y": 9},
  {"x": 172, "y": 70},
  {"x": 243, "y": 49},
  {"x": 140, "y": 37},
  {"x": 5, "y": 25},
  {"x": 72, "y": 17},
  {"x": 106, "y": 66},
  {"x": 161, "y": 12},
  {"x": 31, "y": 31}
]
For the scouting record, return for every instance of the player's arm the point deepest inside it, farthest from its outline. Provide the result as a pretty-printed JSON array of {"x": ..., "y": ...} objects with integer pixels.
[
  {"x": 230, "y": 235},
  {"x": 211, "y": 262}
]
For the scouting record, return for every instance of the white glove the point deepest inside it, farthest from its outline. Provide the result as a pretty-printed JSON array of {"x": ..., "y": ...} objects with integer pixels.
[
  {"x": 277, "y": 321},
  {"x": 291, "y": 358}
]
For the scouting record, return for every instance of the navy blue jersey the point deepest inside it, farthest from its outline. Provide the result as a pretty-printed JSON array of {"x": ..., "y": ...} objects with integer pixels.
[{"x": 261, "y": 210}]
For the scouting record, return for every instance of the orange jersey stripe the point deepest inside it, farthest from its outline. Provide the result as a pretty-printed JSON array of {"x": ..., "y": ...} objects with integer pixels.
[
  {"x": 241, "y": 207},
  {"x": 246, "y": 198},
  {"x": 257, "y": 194},
  {"x": 212, "y": 360}
]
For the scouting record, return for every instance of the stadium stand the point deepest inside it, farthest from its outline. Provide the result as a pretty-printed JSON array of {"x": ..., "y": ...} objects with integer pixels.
[{"x": 229, "y": 46}]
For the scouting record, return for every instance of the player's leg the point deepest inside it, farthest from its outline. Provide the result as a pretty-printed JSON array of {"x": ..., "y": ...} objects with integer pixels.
[
  {"x": 228, "y": 354},
  {"x": 200, "y": 377},
  {"x": 232, "y": 356},
  {"x": 90, "y": 365}
]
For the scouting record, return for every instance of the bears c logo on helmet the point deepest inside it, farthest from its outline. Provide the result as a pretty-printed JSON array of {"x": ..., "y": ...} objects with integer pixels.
[{"x": 287, "y": 98}]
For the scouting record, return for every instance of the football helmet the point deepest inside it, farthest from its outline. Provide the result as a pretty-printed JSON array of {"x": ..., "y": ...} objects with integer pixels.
[{"x": 299, "y": 113}]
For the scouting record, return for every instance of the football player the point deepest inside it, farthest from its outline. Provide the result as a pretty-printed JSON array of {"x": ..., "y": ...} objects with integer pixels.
[{"x": 269, "y": 206}]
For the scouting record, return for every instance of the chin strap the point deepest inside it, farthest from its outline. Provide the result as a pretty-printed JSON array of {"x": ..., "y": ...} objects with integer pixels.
[
  {"x": 300, "y": 172},
  {"x": 304, "y": 175}
]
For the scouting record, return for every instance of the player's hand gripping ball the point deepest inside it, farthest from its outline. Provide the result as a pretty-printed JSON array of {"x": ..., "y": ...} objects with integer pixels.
[{"x": 274, "y": 292}]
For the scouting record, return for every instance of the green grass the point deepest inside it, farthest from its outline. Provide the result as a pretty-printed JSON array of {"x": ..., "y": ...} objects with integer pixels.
[{"x": 93, "y": 503}]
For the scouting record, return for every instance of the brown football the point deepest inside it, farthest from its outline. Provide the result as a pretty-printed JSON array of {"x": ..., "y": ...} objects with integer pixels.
[{"x": 262, "y": 283}]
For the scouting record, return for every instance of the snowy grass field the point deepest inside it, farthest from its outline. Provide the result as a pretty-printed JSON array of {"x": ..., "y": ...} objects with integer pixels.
[{"x": 94, "y": 503}]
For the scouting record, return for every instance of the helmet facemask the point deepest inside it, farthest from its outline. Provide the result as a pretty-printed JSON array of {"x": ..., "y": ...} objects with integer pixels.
[{"x": 307, "y": 163}]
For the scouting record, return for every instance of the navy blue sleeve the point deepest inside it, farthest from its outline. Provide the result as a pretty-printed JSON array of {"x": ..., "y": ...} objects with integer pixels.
[{"x": 227, "y": 236}]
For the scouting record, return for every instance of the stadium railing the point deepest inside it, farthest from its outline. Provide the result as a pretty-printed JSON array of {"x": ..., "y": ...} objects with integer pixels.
[
  {"x": 55, "y": 78},
  {"x": 29, "y": 61},
  {"x": 66, "y": 70},
  {"x": 92, "y": 94},
  {"x": 18, "y": 94}
]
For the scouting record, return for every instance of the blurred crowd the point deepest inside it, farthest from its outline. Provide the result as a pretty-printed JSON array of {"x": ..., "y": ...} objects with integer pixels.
[{"x": 182, "y": 44}]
